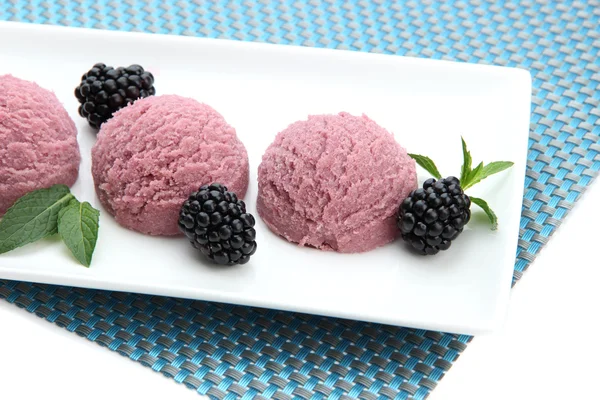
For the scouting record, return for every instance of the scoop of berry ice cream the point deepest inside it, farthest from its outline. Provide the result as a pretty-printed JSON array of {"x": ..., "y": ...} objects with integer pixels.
[
  {"x": 38, "y": 141},
  {"x": 334, "y": 182},
  {"x": 152, "y": 154}
]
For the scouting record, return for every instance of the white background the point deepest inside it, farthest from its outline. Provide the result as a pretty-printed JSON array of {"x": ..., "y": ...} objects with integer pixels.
[{"x": 548, "y": 348}]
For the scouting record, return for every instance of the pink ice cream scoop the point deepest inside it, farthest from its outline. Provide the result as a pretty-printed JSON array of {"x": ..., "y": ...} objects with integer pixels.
[
  {"x": 38, "y": 141},
  {"x": 334, "y": 182},
  {"x": 152, "y": 154}
]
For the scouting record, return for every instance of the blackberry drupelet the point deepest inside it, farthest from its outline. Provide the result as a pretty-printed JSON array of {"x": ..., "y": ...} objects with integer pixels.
[
  {"x": 430, "y": 218},
  {"x": 104, "y": 90},
  {"x": 217, "y": 224}
]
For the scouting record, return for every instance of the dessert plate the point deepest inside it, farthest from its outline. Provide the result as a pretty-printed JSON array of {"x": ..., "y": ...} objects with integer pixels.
[{"x": 260, "y": 89}]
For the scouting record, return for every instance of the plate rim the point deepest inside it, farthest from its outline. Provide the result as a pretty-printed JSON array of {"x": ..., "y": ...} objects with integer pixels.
[{"x": 81, "y": 281}]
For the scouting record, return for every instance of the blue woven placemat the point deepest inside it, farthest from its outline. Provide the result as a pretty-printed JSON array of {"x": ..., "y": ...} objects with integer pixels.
[{"x": 240, "y": 352}]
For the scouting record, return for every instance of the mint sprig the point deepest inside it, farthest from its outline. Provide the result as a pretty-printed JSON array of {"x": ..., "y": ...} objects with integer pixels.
[
  {"x": 46, "y": 212},
  {"x": 467, "y": 160},
  {"x": 33, "y": 217},
  {"x": 469, "y": 176},
  {"x": 78, "y": 228},
  {"x": 427, "y": 164},
  {"x": 488, "y": 170},
  {"x": 485, "y": 207}
]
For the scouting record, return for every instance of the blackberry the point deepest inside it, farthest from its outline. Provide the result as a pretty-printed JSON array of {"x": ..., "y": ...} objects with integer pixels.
[
  {"x": 217, "y": 224},
  {"x": 104, "y": 90},
  {"x": 430, "y": 218}
]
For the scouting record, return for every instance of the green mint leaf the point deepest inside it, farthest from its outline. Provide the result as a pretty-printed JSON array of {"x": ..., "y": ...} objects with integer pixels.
[
  {"x": 427, "y": 164},
  {"x": 477, "y": 175},
  {"x": 33, "y": 217},
  {"x": 485, "y": 207},
  {"x": 472, "y": 176},
  {"x": 493, "y": 168},
  {"x": 467, "y": 161},
  {"x": 78, "y": 228}
]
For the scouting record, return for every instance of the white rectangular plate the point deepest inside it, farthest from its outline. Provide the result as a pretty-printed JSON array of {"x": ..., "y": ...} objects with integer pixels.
[{"x": 260, "y": 89}]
